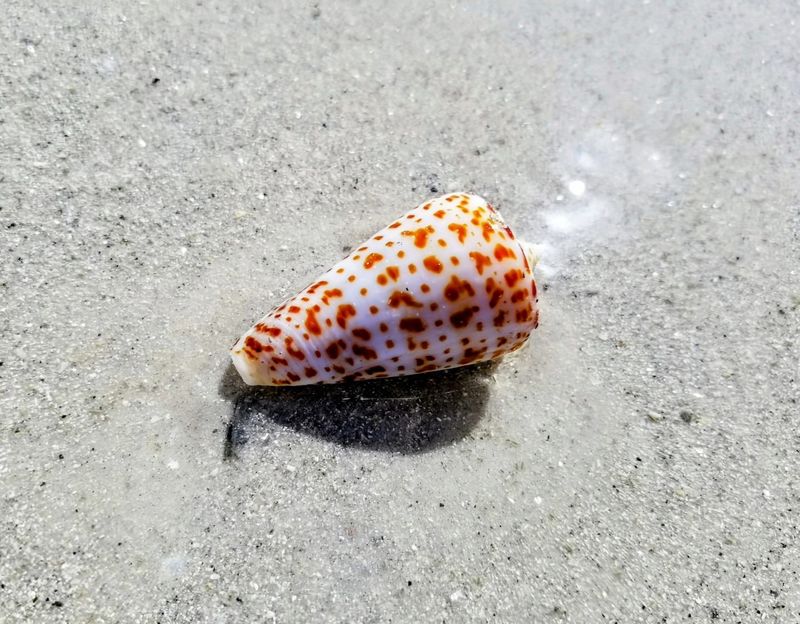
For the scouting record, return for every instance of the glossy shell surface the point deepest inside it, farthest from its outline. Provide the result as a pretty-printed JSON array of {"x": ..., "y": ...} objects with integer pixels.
[{"x": 445, "y": 285}]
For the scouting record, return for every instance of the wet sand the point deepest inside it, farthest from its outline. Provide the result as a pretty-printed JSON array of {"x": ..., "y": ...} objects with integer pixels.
[{"x": 170, "y": 171}]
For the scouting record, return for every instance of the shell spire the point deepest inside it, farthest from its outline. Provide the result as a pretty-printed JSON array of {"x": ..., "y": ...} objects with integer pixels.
[{"x": 445, "y": 285}]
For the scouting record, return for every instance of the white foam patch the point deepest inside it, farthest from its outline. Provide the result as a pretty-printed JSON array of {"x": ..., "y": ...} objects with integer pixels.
[
  {"x": 600, "y": 173},
  {"x": 575, "y": 219},
  {"x": 577, "y": 187}
]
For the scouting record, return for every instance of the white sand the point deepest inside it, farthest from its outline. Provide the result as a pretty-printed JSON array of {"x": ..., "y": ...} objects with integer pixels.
[{"x": 637, "y": 463}]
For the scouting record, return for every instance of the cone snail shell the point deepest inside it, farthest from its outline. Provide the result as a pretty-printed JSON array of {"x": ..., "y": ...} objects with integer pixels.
[{"x": 446, "y": 285}]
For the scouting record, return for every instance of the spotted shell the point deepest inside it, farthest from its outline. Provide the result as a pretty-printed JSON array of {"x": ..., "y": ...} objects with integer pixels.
[{"x": 444, "y": 286}]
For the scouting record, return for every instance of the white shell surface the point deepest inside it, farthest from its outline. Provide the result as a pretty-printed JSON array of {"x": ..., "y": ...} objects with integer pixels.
[{"x": 445, "y": 285}]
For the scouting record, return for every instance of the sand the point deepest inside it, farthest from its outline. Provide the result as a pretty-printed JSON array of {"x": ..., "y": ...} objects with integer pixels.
[{"x": 171, "y": 170}]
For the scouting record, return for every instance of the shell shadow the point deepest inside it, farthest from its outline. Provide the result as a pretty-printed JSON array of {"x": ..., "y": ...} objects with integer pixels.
[{"x": 405, "y": 415}]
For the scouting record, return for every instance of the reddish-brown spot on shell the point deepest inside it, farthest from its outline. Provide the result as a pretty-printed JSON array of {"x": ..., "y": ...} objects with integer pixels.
[
  {"x": 433, "y": 264},
  {"x": 419, "y": 235},
  {"x": 372, "y": 370},
  {"x": 338, "y": 369},
  {"x": 501, "y": 251},
  {"x": 340, "y": 270},
  {"x": 394, "y": 225},
  {"x": 461, "y": 318},
  {"x": 252, "y": 343},
  {"x": 442, "y": 243},
  {"x": 383, "y": 327},
  {"x": 513, "y": 276},
  {"x": 519, "y": 295},
  {"x": 439, "y": 214},
  {"x": 363, "y": 291},
  {"x": 411, "y": 343},
  {"x": 390, "y": 344},
  {"x": 480, "y": 261},
  {"x": 393, "y": 272},
  {"x": 460, "y": 229},
  {"x": 412, "y": 324},
  {"x": 399, "y": 297},
  {"x": 294, "y": 309},
  {"x": 352, "y": 278},
  {"x": 456, "y": 287},
  {"x": 373, "y": 309},
  {"x": 314, "y": 287},
  {"x": 500, "y": 318},
  {"x": 291, "y": 350},
  {"x": 434, "y": 306},
  {"x": 344, "y": 312},
  {"x": 364, "y": 352},
  {"x": 372, "y": 259},
  {"x": 470, "y": 355},
  {"x": 487, "y": 231},
  {"x": 362, "y": 333},
  {"x": 425, "y": 288},
  {"x": 332, "y": 350},
  {"x": 382, "y": 279},
  {"x": 412, "y": 268},
  {"x": 455, "y": 260},
  {"x": 312, "y": 325},
  {"x": 310, "y": 372},
  {"x": 333, "y": 293}
]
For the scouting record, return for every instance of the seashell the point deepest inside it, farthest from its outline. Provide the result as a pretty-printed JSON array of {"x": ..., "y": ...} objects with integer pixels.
[{"x": 446, "y": 285}]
